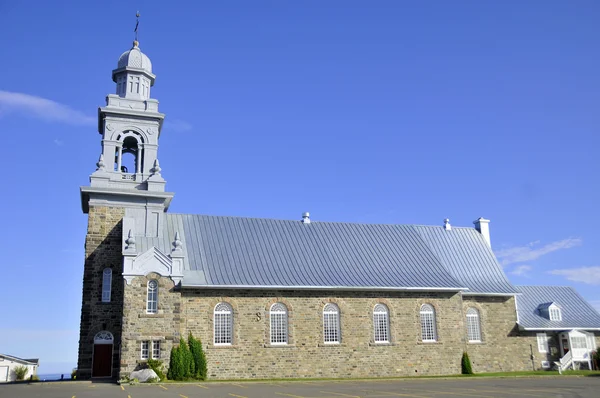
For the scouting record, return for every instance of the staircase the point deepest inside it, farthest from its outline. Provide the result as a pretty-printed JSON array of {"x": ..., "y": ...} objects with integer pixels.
[{"x": 565, "y": 362}]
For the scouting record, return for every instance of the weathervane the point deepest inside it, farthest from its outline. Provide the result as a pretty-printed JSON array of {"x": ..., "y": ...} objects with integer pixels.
[{"x": 137, "y": 23}]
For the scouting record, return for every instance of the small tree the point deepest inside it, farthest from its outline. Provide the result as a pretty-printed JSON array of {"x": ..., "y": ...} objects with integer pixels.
[
  {"x": 21, "y": 372},
  {"x": 466, "y": 364},
  {"x": 175, "y": 365},
  {"x": 187, "y": 360},
  {"x": 198, "y": 357}
]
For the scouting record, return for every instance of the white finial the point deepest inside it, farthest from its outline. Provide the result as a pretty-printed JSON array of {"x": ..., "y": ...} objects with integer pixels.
[
  {"x": 447, "y": 225},
  {"x": 130, "y": 241},
  {"x": 306, "y": 218},
  {"x": 156, "y": 169},
  {"x": 100, "y": 164},
  {"x": 177, "y": 243}
]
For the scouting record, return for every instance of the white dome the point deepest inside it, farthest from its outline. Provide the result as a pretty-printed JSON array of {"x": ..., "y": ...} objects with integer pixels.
[{"x": 135, "y": 58}]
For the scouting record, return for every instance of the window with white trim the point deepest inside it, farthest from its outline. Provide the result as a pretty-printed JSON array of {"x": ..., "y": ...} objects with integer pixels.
[
  {"x": 223, "y": 324},
  {"x": 542, "y": 341},
  {"x": 147, "y": 346},
  {"x": 278, "y": 315},
  {"x": 578, "y": 342},
  {"x": 428, "y": 327},
  {"x": 106, "y": 284},
  {"x": 145, "y": 349},
  {"x": 331, "y": 324},
  {"x": 381, "y": 324},
  {"x": 473, "y": 326},
  {"x": 156, "y": 349},
  {"x": 555, "y": 314},
  {"x": 152, "y": 300}
]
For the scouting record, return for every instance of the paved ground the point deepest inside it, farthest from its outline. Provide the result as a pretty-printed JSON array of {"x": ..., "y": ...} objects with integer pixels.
[{"x": 583, "y": 387}]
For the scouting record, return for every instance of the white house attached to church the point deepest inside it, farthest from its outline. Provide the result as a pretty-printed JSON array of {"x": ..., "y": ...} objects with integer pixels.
[{"x": 294, "y": 298}]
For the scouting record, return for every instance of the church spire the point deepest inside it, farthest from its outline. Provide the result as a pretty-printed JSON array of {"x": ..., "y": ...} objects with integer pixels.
[{"x": 128, "y": 173}]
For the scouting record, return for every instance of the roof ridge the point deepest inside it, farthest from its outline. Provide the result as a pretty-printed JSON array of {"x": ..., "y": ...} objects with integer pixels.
[{"x": 315, "y": 221}]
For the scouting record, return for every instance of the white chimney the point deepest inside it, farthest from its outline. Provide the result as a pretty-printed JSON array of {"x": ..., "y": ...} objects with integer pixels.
[
  {"x": 447, "y": 225},
  {"x": 482, "y": 225},
  {"x": 306, "y": 218}
]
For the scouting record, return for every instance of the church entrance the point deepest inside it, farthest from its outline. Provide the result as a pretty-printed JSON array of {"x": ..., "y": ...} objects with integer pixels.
[{"x": 102, "y": 356}]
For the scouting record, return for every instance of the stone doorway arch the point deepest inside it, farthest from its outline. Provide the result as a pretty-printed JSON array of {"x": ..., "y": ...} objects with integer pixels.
[{"x": 103, "y": 354}]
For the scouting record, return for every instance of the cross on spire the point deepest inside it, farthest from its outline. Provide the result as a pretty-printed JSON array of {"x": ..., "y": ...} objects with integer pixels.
[{"x": 137, "y": 23}]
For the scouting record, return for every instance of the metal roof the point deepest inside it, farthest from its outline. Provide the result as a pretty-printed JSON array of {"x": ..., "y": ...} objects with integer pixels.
[
  {"x": 465, "y": 253},
  {"x": 32, "y": 361},
  {"x": 576, "y": 313},
  {"x": 238, "y": 252}
]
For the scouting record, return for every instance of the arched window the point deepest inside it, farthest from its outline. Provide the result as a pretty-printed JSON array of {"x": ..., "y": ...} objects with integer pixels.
[
  {"x": 554, "y": 312},
  {"x": 279, "y": 323},
  {"x": 223, "y": 322},
  {"x": 473, "y": 325},
  {"x": 428, "y": 330},
  {"x": 331, "y": 323},
  {"x": 103, "y": 337},
  {"x": 106, "y": 284},
  {"x": 152, "y": 301},
  {"x": 381, "y": 324}
]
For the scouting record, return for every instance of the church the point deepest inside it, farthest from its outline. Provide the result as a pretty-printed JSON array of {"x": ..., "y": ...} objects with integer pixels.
[{"x": 294, "y": 298}]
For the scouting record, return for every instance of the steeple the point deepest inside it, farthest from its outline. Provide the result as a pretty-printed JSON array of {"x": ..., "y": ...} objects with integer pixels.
[{"x": 128, "y": 172}]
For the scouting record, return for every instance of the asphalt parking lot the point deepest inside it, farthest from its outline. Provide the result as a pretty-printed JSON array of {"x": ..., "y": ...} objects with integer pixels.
[{"x": 417, "y": 388}]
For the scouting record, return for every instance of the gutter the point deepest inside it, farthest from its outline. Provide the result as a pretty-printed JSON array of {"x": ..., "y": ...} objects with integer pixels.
[
  {"x": 554, "y": 329},
  {"x": 361, "y": 288}
]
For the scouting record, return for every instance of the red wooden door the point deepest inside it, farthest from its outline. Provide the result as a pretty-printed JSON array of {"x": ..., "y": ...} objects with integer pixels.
[{"x": 102, "y": 366}]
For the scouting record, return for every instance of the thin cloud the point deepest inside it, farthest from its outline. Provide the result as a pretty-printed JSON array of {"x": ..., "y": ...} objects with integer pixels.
[
  {"x": 532, "y": 251},
  {"x": 589, "y": 275},
  {"x": 521, "y": 270},
  {"x": 42, "y": 108},
  {"x": 178, "y": 125},
  {"x": 58, "y": 142}
]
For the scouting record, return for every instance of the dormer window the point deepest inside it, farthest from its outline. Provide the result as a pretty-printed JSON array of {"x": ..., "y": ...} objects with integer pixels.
[
  {"x": 554, "y": 312},
  {"x": 550, "y": 311}
]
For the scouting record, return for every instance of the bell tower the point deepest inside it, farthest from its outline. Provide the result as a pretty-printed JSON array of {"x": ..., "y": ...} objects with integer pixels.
[
  {"x": 127, "y": 183},
  {"x": 128, "y": 173}
]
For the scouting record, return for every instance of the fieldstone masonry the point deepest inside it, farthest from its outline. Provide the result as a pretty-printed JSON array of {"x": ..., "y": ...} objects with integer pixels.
[
  {"x": 102, "y": 250},
  {"x": 503, "y": 346}
]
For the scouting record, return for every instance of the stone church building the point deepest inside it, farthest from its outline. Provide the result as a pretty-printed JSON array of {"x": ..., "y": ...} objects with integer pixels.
[{"x": 293, "y": 298}]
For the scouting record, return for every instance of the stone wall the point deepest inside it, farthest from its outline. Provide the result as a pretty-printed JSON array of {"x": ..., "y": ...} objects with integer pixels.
[
  {"x": 102, "y": 249},
  {"x": 503, "y": 347},
  {"x": 251, "y": 355},
  {"x": 139, "y": 326}
]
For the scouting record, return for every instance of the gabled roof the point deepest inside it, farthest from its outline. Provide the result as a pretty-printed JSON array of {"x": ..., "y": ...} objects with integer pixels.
[
  {"x": 576, "y": 313},
  {"x": 265, "y": 253},
  {"x": 34, "y": 361},
  {"x": 465, "y": 253}
]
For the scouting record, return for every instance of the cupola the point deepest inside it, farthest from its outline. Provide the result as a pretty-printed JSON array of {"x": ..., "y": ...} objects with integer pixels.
[{"x": 134, "y": 74}]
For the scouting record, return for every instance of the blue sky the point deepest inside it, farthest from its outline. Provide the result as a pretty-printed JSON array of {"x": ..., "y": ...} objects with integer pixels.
[{"x": 375, "y": 112}]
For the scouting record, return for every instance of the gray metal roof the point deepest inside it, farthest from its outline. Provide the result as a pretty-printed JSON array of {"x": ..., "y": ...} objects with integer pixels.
[
  {"x": 250, "y": 252},
  {"x": 465, "y": 253},
  {"x": 576, "y": 313}
]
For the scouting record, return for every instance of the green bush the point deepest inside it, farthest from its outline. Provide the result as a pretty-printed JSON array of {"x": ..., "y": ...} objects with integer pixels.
[
  {"x": 176, "y": 371},
  {"x": 74, "y": 374},
  {"x": 189, "y": 368},
  {"x": 20, "y": 372},
  {"x": 466, "y": 364},
  {"x": 198, "y": 357},
  {"x": 157, "y": 367}
]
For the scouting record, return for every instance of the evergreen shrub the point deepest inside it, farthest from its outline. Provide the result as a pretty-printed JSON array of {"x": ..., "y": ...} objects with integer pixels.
[
  {"x": 198, "y": 357},
  {"x": 466, "y": 364}
]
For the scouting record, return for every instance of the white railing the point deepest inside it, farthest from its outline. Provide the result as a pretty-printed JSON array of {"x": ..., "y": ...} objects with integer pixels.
[{"x": 565, "y": 362}]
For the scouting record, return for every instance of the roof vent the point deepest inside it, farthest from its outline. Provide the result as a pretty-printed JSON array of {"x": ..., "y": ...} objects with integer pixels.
[
  {"x": 447, "y": 225},
  {"x": 306, "y": 218}
]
